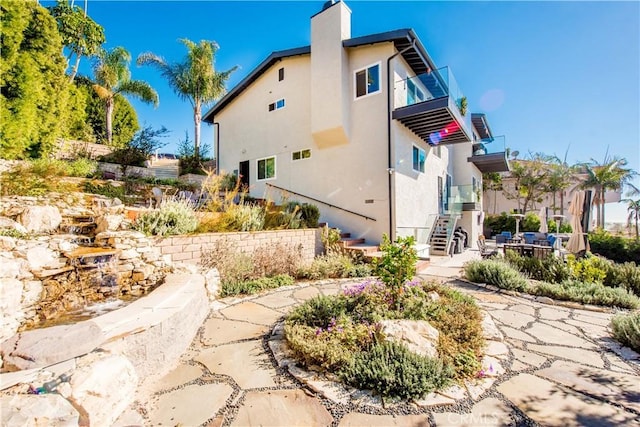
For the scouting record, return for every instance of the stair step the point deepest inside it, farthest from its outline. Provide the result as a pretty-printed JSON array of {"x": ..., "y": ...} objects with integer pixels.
[
  {"x": 351, "y": 241},
  {"x": 364, "y": 248}
]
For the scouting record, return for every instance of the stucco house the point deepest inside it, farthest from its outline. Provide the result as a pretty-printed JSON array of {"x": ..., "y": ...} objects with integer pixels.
[{"x": 367, "y": 128}]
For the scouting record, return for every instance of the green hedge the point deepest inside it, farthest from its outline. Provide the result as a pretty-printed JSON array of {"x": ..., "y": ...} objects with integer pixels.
[{"x": 615, "y": 248}]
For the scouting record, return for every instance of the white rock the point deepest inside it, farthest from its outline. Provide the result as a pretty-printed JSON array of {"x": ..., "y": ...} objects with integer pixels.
[
  {"x": 40, "y": 218},
  {"x": 109, "y": 223},
  {"x": 32, "y": 292},
  {"x": 7, "y": 243},
  {"x": 10, "y": 295},
  {"x": 37, "y": 410},
  {"x": 212, "y": 283},
  {"x": 490, "y": 330},
  {"x": 104, "y": 388},
  {"x": 128, "y": 254},
  {"x": 9, "y": 266},
  {"x": 11, "y": 224},
  {"x": 41, "y": 256},
  {"x": 418, "y": 335}
]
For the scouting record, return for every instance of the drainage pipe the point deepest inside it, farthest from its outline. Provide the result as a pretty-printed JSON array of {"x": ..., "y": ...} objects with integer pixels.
[{"x": 390, "y": 169}]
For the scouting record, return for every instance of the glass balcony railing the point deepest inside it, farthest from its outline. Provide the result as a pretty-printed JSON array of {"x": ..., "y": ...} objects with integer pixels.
[
  {"x": 465, "y": 194},
  {"x": 433, "y": 85},
  {"x": 497, "y": 144}
]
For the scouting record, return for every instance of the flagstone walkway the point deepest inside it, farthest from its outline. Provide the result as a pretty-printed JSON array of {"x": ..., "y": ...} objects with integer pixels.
[{"x": 558, "y": 367}]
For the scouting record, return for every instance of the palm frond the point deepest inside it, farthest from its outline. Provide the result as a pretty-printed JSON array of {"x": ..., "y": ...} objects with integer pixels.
[{"x": 141, "y": 90}]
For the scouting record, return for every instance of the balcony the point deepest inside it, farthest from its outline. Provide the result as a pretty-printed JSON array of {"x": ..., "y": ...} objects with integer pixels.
[
  {"x": 490, "y": 155},
  {"x": 464, "y": 198},
  {"x": 430, "y": 105}
]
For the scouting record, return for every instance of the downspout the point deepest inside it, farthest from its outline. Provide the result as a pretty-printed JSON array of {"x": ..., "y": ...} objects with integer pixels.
[
  {"x": 217, "y": 125},
  {"x": 390, "y": 169}
]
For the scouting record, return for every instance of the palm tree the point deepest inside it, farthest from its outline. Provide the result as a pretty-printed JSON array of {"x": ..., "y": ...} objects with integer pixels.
[
  {"x": 633, "y": 206},
  {"x": 559, "y": 179},
  {"x": 112, "y": 77},
  {"x": 194, "y": 79},
  {"x": 611, "y": 174}
]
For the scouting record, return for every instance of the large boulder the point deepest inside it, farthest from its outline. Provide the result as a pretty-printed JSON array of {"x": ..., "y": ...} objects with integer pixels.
[
  {"x": 41, "y": 256},
  {"x": 418, "y": 335},
  {"x": 212, "y": 283},
  {"x": 43, "y": 347},
  {"x": 104, "y": 388},
  {"x": 40, "y": 219},
  {"x": 10, "y": 312}
]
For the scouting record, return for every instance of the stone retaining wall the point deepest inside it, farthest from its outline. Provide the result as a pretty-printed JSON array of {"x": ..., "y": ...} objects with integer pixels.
[
  {"x": 189, "y": 249},
  {"x": 116, "y": 170}
]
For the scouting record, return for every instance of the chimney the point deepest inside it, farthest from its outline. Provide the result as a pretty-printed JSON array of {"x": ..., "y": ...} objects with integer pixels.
[{"x": 330, "y": 95}]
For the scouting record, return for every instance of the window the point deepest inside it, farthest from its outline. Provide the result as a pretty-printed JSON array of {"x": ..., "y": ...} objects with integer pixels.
[
  {"x": 414, "y": 94},
  {"x": 276, "y": 105},
  {"x": 299, "y": 155},
  {"x": 419, "y": 156},
  {"x": 368, "y": 80},
  {"x": 281, "y": 74},
  {"x": 266, "y": 168}
]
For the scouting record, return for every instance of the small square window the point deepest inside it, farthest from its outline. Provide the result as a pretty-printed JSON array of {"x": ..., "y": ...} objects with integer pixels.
[
  {"x": 419, "y": 157},
  {"x": 368, "y": 80},
  {"x": 272, "y": 106},
  {"x": 279, "y": 104},
  {"x": 306, "y": 154},
  {"x": 266, "y": 168},
  {"x": 296, "y": 155},
  {"x": 281, "y": 74}
]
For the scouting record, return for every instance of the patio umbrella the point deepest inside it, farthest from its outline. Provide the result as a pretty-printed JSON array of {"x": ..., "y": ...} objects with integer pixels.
[
  {"x": 543, "y": 220},
  {"x": 576, "y": 241}
]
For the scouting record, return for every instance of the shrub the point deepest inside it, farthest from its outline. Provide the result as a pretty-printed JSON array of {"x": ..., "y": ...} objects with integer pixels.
[
  {"x": 82, "y": 167},
  {"x": 273, "y": 260},
  {"x": 330, "y": 347},
  {"x": 615, "y": 248},
  {"x": 334, "y": 266},
  {"x": 626, "y": 329},
  {"x": 550, "y": 269},
  {"x": 36, "y": 178},
  {"x": 253, "y": 286},
  {"x": 331, "y": 240},
  {"x": 107, "y": 190},
  {"x": 232, "y": 265},
  {"x": 309, "y": 214},
  {"x": 280, "y": 218},
  {"x": 397, "y": 265},
  {"x": 625, "y": 275},
  {"x": 495, "y": 273},
  {"x": 589, "y": 269},
  {"x": 173, "y": 217},
  {"x": 588, "y": 293},
  {"x": 235, "y": 218},
  {"x": 391, "y": 370}
]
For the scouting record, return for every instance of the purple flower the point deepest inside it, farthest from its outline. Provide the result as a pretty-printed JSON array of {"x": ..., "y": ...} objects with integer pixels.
[{"x": 318, "y": 331}]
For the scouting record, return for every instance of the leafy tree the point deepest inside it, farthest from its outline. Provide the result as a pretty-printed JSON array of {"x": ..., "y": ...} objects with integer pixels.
[
  {"x": 194, "y": 79},
  {"x": 139, "y": 149},
  {"x": 33, "y": 88},
  {"x": 112, "y": 77},
  {"x": 529, "y": 179},
  {"x": 492, "y": 181},
  {"x": 80, "y": 34},
  {"x": 610, "y": 174}
]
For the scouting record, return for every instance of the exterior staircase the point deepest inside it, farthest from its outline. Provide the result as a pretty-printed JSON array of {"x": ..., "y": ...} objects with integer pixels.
[
  {"x": 166, "y": 169},
  {"x": 441, "y": 235}
]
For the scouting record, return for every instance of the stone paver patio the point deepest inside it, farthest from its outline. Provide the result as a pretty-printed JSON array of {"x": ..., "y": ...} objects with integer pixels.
[{"x": 556, "y": 366}]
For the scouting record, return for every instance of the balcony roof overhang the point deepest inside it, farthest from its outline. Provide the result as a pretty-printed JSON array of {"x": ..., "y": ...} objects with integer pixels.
[
  {"x": 492, "y": 162},
  {"x": 430, "y": 117},
  {"x": 481, "y": 125}
]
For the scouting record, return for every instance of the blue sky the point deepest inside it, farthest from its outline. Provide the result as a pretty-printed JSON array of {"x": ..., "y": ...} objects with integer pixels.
[{"x": 551, "y": 76}]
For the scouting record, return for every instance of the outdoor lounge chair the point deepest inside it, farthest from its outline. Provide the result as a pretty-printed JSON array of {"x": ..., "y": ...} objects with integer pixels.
[{"x": 486, "y": 252}]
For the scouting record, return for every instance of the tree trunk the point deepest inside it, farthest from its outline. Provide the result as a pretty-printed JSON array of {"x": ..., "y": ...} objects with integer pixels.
[
  {"x": 561, "y": 203},
  {"x": 196, "y": 121},
  {"x": 74, "y": 71},
  {"x": 109, "y": 116},
  {"x": 637, "y": 235},
  {"x": 602, "y": 200}
]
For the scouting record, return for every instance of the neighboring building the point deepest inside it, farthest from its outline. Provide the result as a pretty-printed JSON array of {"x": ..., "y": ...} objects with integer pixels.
[{"x": 366, "y": 128}]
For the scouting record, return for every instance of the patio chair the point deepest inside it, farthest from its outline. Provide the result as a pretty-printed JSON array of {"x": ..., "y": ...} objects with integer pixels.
[
  {"x": 503, "y": 237},
  {"x": 486, "y": 252}
]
